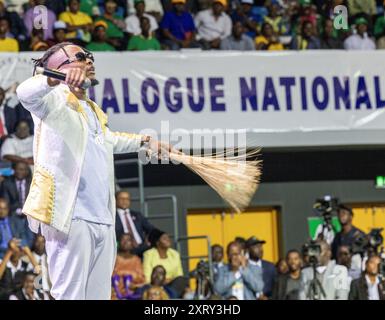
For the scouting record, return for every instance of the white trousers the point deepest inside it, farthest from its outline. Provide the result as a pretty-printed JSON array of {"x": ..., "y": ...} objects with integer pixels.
[{"x": 80, "y": 264}]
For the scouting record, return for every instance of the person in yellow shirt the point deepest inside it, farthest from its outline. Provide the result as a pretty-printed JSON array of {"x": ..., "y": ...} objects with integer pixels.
[
  {"x": 79, "y": 24},
  {"x": 7, "y": 44},
  {"x": 268, "y": 40},
  {"x": 161, "y": 254}
]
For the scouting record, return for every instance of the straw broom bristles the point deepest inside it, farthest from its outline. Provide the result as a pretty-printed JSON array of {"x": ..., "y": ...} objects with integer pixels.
[{"x": 232, "y": 177}]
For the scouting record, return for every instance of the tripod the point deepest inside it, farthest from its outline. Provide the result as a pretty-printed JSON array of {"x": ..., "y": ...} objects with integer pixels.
[
  {"x": 316, "y": 291},
  {"x": 204, "y": 287}
]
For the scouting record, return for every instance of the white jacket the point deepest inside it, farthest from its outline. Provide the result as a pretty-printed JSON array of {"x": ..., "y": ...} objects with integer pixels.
[{"x": 61, "y": 132}]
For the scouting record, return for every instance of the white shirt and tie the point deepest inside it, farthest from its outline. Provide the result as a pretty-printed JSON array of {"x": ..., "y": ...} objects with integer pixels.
[{"x": 125, "y": 217}]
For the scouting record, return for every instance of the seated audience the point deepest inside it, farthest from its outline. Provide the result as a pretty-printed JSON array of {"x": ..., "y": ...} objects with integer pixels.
[
  {"x": 115, "y": 24},
  {"x": 245, "y": 14},
  {"x": 59, "y": 33},
  {"x": 40, "y": 256},
  {"x": 8, "y": 114},
  {"x": 360, "y": 40},
  {"x": 268, "y": 40},
  {"x": 46, "y": 25},
  {"x": 238, "y": 40},
  {"x": 162, "y": 254},
  {"x": 28, "y": 290},
  {"x": 18, "y": 146},
  {"x": 213, "y": 25},
  {"x": 13, "y": 269},
  {"x": 16, "y": 187},
  {"x": 12, "y": 227},
  {"x": 128, "y": 268},
  {"x": 178, "y": 27},
  {"x": 79, "y": 24},
  {"x": 328, "y": 40},
  {"x": 307, "y": 40},
  {"x": 144, "y": 41},
  {"x": 133, "y": 20},
  {"x": 153, "y": 7},
  {"x": 7, "y": 44},
  {"x": 15, "y": 27},
  {"x": 158, "y": 280},
  {"x": 275, "y": 19},
  {"x": 238, "y": 278},
  {"x": 99, "y": 37}
]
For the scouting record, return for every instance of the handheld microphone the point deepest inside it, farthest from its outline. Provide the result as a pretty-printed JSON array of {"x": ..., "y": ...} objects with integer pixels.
[{"x": 62, "y": 76}]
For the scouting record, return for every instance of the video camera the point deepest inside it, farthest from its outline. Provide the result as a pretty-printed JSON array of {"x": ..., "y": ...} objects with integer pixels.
[
  {"x": 202, "y": 270},
  {"x": 368, "y": 243},
  {"x": 326, "y": 207},
  {"x": 313, "y": 251}
]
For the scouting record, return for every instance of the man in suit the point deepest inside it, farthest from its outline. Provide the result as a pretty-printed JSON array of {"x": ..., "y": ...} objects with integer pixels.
[
  {"x": 333, "y": 278},
  {"x": 16, "y": 187},
  {"x": 11, "y": 112},
  {"x": 239, "y": 278},
  {"x": 12, "y": 228},
  {"x": 254, "y": 247},
  {"x": 132, "y": 222},
  {"x": 369, "y": 286}
]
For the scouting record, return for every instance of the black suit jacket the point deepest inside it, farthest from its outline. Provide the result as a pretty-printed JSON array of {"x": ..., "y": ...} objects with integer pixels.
[
  {"x": 11, "y": 194},
  {"x": 142, "y": 225},
  {"x": 359, "y": 289},
  {"x": 269, "y": 274}
]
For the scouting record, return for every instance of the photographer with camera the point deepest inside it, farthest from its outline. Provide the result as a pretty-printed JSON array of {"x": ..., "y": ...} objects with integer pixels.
[
  {"x": 349, "y": 232},
  {"x": 370, "y": 286},
  {"x": 238, "y": 278},
  {"x": 324, "y": 279}
]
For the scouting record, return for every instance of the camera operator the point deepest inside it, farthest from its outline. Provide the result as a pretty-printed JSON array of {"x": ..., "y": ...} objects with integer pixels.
[
  {"x": 369, "y": 286},
  {"x": 287, "y": 286},
  {"x": 333, "y": 278},
  {"x": 238, "y": 278},
  {"x": 349, "y": 232}
]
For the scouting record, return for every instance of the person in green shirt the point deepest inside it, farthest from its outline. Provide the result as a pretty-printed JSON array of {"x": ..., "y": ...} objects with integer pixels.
[
  {"x": 144, "y": 41},
  {"x": 99, "y": 42},
  {"x": 115, "y": 23},
  {"x": 90, "y": 7}
]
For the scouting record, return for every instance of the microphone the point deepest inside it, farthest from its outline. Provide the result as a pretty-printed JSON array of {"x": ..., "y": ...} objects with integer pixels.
[{"x": 62, "y": 76}]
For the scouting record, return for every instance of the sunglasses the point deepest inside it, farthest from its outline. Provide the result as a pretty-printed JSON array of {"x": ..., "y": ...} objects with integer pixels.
[{"x": 79, "y": 56}]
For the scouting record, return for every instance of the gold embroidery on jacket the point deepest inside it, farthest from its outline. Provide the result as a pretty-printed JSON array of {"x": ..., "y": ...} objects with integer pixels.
[{"x": 40, "y": 200}]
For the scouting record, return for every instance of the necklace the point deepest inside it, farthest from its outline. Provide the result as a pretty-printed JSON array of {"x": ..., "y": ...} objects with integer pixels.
[{"x": 96, "y": 133}]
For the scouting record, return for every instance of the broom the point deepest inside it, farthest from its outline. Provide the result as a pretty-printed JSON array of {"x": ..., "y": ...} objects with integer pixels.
[{"x": 233, "y": 177}]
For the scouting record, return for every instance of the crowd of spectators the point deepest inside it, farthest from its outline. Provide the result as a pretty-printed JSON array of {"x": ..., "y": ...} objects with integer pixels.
[
  {"x": 110, "y": 25},
  {"x": 148, "y": 267}
]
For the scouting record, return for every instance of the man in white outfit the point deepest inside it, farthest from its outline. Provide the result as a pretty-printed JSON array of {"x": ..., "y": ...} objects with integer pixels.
[{"x": 72, "y": 192}]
